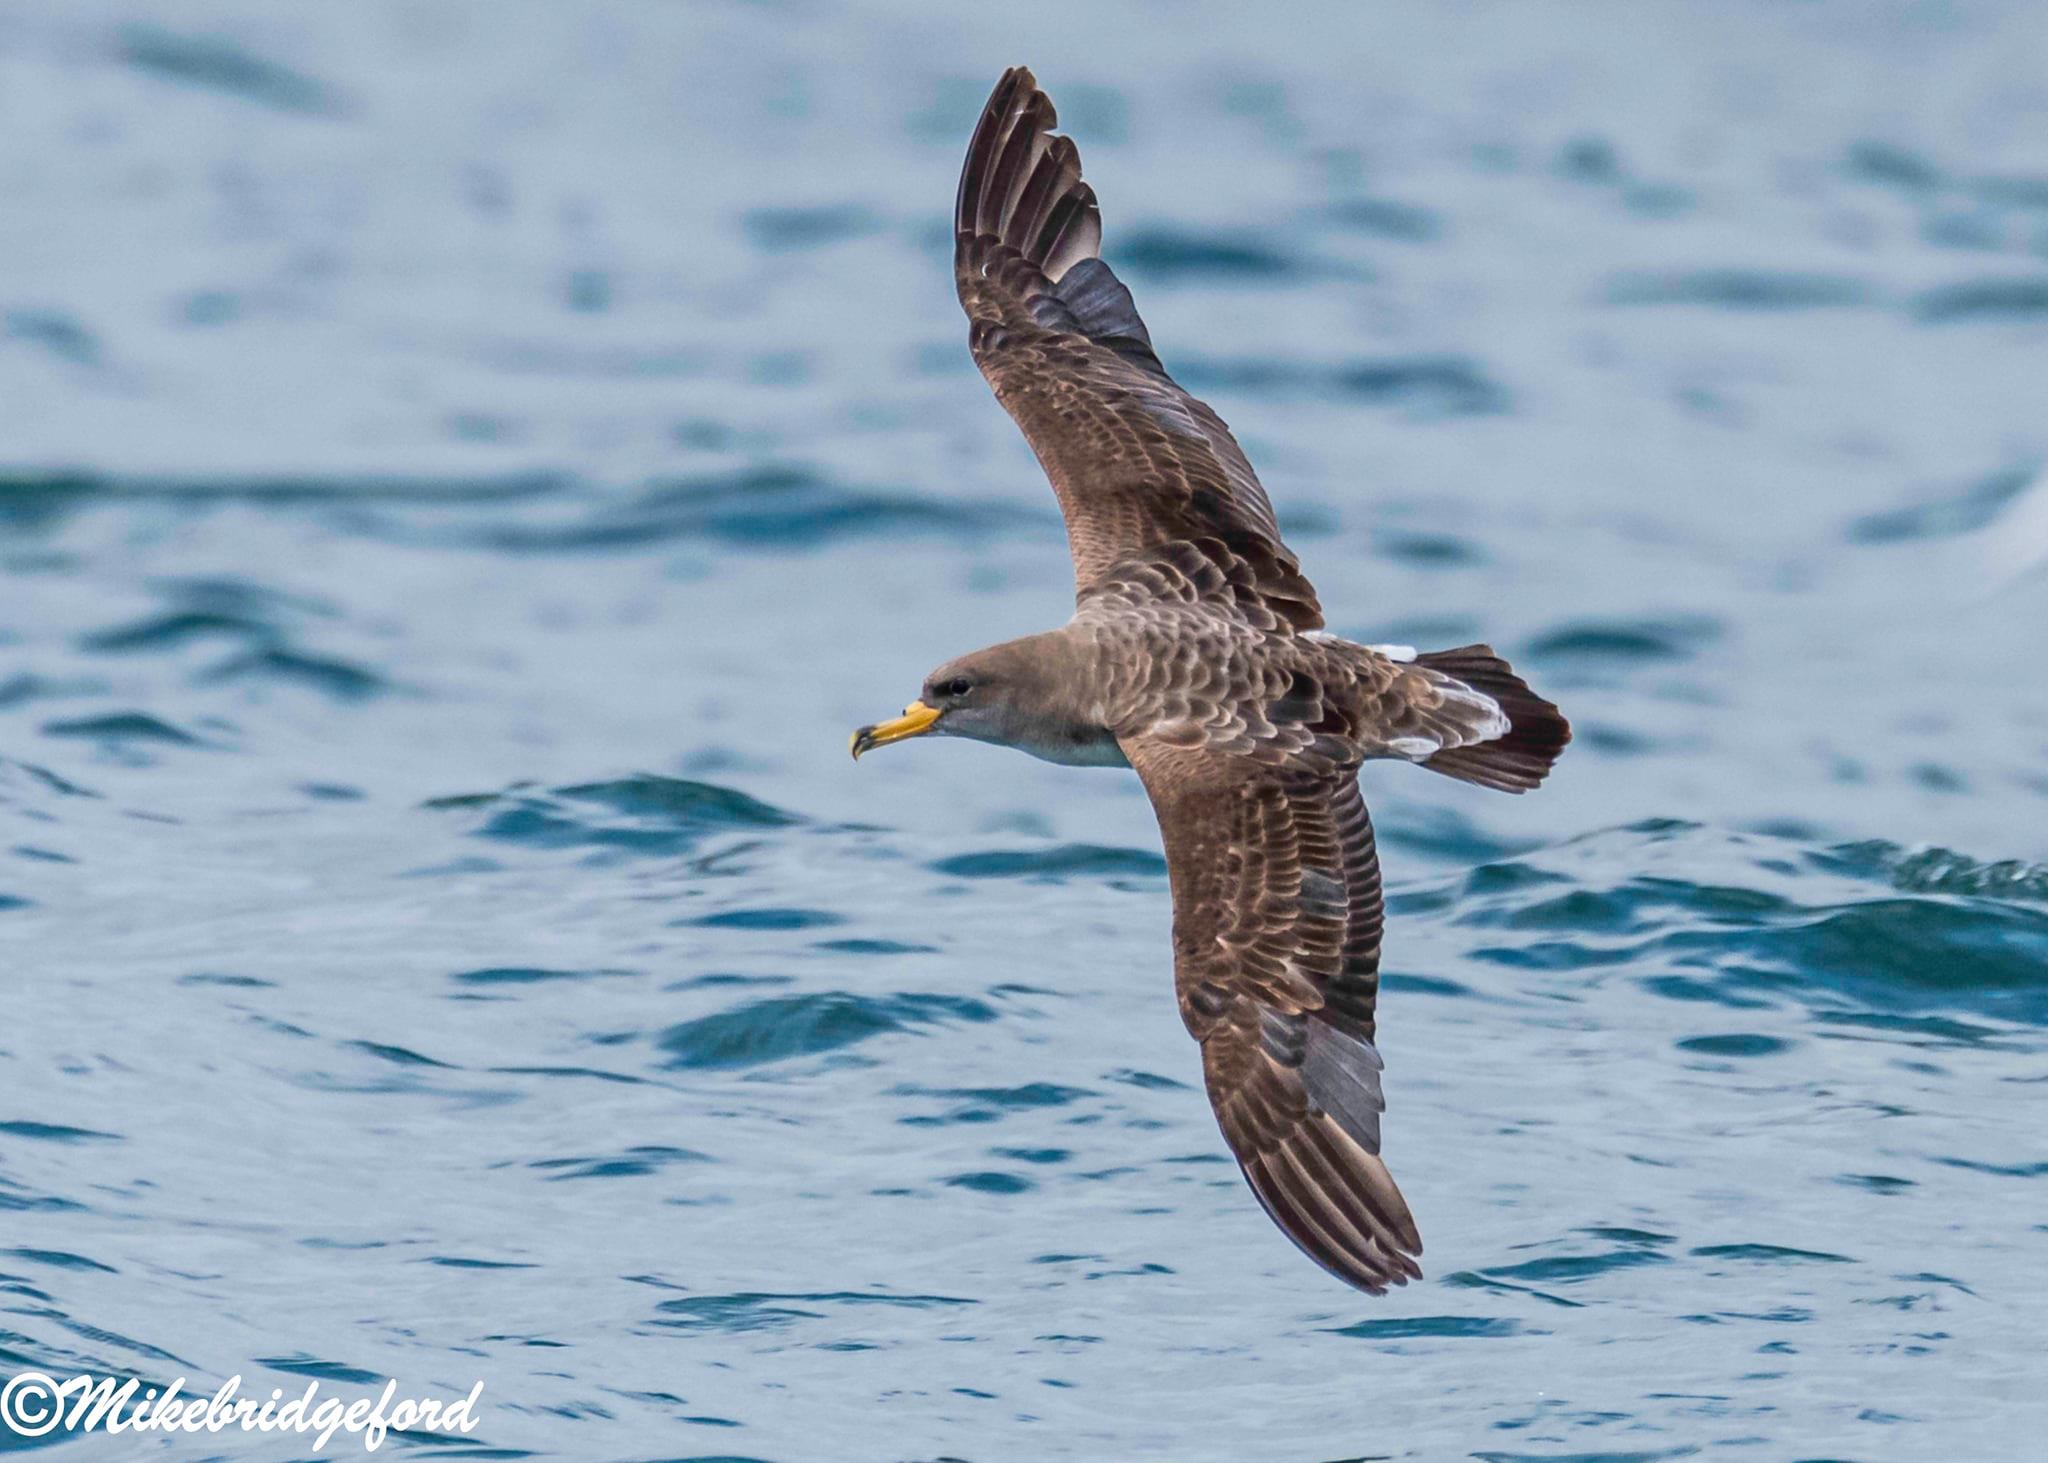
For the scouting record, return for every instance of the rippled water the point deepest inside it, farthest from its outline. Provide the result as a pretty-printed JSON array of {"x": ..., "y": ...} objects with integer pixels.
[{"x": 467, "y": 467}]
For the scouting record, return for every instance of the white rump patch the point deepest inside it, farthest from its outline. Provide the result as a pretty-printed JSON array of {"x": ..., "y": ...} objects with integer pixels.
[
  {"x": 1395, "y": 652},
  {"x": 1415, "y": 749},
  {"x": 1489, "y": 722}
]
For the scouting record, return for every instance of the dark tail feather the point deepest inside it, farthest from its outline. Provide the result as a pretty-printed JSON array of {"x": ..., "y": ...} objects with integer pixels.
[{"x": 1537, "y": 730}]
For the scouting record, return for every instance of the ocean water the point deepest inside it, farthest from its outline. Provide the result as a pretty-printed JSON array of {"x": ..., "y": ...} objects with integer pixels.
[{"x": 465, "y": 468}]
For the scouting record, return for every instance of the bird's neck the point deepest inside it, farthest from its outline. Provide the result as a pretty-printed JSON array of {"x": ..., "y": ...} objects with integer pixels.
[{"x": 1070, "y": 674}]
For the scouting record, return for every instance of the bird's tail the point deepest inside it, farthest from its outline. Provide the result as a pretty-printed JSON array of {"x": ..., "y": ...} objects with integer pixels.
[{"x": 1537, "y": 731}]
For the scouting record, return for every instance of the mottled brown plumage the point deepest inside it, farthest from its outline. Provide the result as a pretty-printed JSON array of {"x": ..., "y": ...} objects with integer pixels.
[{"x": 1195, "y": 655}]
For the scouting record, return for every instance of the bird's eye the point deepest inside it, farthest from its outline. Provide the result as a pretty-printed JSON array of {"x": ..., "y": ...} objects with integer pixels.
[{"x": 958, "y": 686}]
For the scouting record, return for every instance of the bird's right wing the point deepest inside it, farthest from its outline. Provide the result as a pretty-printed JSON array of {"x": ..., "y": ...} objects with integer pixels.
[
  {"x": 1136, "y": 461},
  {"x": 1276, "y": 937}
]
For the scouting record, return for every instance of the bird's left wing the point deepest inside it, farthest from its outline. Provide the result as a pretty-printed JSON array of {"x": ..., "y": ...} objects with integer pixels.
[
  {"x": 1276, "y": 938},
  {"x": 1135, "y": 461}
]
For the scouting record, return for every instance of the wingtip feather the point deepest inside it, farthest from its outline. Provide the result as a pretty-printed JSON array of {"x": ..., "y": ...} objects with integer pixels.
[
  {"x": 1305, "y": 1209},
  {"x": 1021, "y": 183}
]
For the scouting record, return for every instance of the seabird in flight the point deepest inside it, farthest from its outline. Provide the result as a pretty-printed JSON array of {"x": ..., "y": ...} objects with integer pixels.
[{"x": 1196, "y": 655}]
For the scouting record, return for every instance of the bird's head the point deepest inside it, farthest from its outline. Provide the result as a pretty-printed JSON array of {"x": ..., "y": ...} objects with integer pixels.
[{"x": 988, "y": 696}]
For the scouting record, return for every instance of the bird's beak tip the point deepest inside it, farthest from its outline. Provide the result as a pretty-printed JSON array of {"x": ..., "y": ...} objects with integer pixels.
[{"x": 916, "y": 720}]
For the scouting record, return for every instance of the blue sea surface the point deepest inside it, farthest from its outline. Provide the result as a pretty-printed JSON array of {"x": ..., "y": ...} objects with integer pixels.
[{"x": 465, "y": 468}]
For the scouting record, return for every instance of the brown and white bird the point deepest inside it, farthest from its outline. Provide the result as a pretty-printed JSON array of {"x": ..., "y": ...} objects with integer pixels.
[{"x": 1196, "y": 655}]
